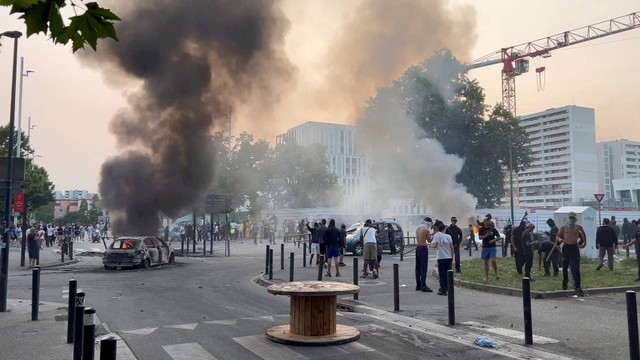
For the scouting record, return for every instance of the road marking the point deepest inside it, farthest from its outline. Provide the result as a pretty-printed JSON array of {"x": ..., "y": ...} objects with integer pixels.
[
  {"x": 183, "y": 326},
  {"x": 188, "y": 351},
  {"x": 144, "y": 331},
  {"x": 268, "y": 318},
  {"x": 509, "y": 333},
  {"x": 267, "y": 349},
  {"x": 65, "y": 292},
  {"x": 223, "y": 322}
]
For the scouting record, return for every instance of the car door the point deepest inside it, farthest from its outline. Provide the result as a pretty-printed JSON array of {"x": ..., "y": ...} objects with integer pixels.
[
  {"x": 153, "y": 251},
  {"x": 163, "y": 250},
  {"x": 382, "y": 236}
]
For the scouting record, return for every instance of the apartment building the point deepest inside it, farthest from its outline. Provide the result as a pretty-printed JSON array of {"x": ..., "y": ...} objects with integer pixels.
[
  {"x": 564, "y": 167},
  {"x": 618, "y": 159},
  {"x": 70, "y": 194}
]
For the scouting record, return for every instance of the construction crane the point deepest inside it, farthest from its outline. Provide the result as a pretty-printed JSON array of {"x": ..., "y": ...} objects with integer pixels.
[{"x": 515, "y": 59}]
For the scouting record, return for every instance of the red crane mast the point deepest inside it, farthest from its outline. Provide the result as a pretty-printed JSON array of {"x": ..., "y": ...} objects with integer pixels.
[{"x": 515, "y": 59}]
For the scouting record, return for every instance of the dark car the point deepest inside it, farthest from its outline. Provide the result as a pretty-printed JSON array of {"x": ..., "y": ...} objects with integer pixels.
[
  {"x": 137, "y": 251},
  {"x": 354, "y": 244}
]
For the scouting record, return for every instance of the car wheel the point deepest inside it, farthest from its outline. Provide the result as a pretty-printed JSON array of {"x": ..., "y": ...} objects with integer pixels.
[
  {"x": 172, "y": 259},
  {"x": 357, "y": 250},
  {"x": 145, "y": 264}
]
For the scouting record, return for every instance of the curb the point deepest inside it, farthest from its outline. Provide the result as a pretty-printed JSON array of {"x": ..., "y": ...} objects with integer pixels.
[{"x": 542, "y": 294}]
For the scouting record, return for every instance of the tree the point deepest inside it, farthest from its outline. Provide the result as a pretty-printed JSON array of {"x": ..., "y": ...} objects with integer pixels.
[
  {"x": 451, "y": 108},
  {"x": 87, "y": 26},
  {"x": 43, "y": 214},
  {"x": 301, "y": 178}
]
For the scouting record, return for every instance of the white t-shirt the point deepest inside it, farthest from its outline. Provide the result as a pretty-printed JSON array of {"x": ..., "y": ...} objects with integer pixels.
[
  {"x": 444, "y": 245},
  {"x": 369, "y": 235}
]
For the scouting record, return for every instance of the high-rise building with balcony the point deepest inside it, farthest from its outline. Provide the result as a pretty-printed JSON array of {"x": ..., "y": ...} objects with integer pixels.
[
  {"x": 618, "y": 159},
  {"x": 564, "y": 168}
]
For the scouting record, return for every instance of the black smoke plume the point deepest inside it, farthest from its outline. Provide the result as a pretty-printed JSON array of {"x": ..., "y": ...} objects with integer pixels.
[{"x": 194, "y": 60}]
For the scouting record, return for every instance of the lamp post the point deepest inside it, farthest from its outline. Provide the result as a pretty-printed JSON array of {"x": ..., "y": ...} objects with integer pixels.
[
  {"x": 29, "y": 130},
  {"x": 513, "y": 224},
  {"x": 22, "y": 76},
  {"x": 4, "y": 270}
]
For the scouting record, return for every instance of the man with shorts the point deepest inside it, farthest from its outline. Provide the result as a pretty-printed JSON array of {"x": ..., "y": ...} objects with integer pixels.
[
  {"x": 333, "y": 243},
  {"x": 573, "y": 238},
  {"x": 314, "y": 246},
  {"x": 423, "y": 239},
  {"x": 370, "y": 251},
  {"x": 489, "y": 237}
]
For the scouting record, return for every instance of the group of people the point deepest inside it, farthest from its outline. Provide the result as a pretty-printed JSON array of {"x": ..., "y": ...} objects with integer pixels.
[{"x": 328, "y": 242}]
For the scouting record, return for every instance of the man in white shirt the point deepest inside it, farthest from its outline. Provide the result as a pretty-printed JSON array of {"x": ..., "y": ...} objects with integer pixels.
[
  {"x": 444, "y": 246},
  {"x": 370, "y": 249}
]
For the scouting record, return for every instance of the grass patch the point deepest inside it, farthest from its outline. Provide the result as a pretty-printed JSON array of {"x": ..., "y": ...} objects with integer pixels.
[{"x": 624, "y": 273}]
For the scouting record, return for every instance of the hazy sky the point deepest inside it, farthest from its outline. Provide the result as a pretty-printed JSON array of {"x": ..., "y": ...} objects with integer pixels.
[{"x": 72, "y": 104}]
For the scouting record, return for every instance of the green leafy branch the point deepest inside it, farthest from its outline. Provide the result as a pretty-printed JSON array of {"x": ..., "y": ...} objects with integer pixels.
[{"x": 86, "y": 27}]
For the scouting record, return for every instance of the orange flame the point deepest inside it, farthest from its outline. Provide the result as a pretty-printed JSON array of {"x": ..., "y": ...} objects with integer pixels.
[{"x": 475, "y": 230}]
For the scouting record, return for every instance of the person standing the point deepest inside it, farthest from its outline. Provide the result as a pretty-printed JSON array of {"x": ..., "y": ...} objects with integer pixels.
[
  {"x": 472, "y": 239},
  {"x": 32, "y": 246},
  {"x": 606, "y": 241},
  {"x": 255, "y": 229},
  {"x": 166, "y": 233},
  {"x": 369, "y": 249},
  {"x": 635, "y": 240},
  {"x": 506, "y": 244},
  {"x": 423, "y": 239},
  {"x": 391, "y": 238},
  {"x": 443, "y": 244},
  {"x": 314, "y": 246},
  {"x": 573, "y": 238},
  {"x": 456, "y": 237},
  {"x": 343, "y": 243},
  {"x": 321, "y": 230},
  {"x": 332, "y": 241},
  {"x": 626, "y": 231},
  {"x": 527, "y": 246},
  {"x": 517, "y": 246},
  {"x": 489, "y": 237},
  {"x": 50, "y": 235}
]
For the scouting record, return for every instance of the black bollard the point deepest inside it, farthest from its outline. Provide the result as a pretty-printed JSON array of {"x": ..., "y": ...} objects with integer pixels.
[
  {"x": 469, "y": 244},
  {"x": 266, "y": 262},
  {"x": 35, "y": 294},
  {"x": 63, "y": 246},
  {"x": 526, "y": 305},
  {"x": 320, "y": 267},
  {"x": 70, "y": 247},
  {"x": 396, "y": 287},
  {"x": 108, "y": 346},
  {"x": 270, "y": 264},
  {"x": 304, "y": 255},
  {"x": 281, "y": 256},
  {"x": 204, "y": 246},
  {"x": 71, "y": 310},
  {"x": 78, "y": 327},
  {"x": 355, "y": 276},
  {"x": 632, "y": 323},
  {"x": 402, "y": 250},
  {"x": 89, "y": 348},
  {"x": 450, "y": 297},
  {"x": 291, "y": 266}
]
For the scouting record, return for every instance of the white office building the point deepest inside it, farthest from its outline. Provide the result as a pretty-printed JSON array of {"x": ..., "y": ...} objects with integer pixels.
[
  {"x": 564, "y": 169},
  {"x": 618, "y": 159},
  {"x": 70, "y": 194},
  {"x": 345, "y": 162}
]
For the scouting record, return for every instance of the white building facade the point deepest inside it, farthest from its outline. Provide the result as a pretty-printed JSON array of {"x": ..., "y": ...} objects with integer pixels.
[
  {"x": 618, "y": 159},
  {"x": 70, "y": 194},
  {"x": 345, "y": 161},
  {"x": 564, "y": 168}
]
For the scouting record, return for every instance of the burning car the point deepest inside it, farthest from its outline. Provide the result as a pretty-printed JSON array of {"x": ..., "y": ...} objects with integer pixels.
[{"x": 137, "y": 251}]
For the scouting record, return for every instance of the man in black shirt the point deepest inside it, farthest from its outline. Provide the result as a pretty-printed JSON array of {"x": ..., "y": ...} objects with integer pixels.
[
  {"x": 550, "y": 254},
  {"x": 527, "y": 247},
  {"x": 456, "y": 237},
  {"x": 606, "y": 240},
  {"x": 516, "y": 246},
  {"x": 489, "y": 237}
]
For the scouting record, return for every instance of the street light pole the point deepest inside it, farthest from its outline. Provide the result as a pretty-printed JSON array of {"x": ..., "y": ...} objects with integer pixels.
[
  {"x": 22, "y": 76},
  {"x": 4, "y": 270},
  {"x": 511, "y": 183}
]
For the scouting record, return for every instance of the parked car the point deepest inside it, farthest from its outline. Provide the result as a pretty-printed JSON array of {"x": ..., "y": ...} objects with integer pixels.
[
  {"x": 138, "y": 251},
  {"x": 354, "y": 243}
]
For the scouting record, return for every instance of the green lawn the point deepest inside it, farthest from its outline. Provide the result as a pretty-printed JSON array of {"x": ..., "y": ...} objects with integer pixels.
[{"x": 624, "y": 273}]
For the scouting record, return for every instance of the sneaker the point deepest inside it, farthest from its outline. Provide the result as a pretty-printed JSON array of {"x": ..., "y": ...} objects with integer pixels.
[
  {"x": 338, "y": 275},
  {"x": 564, "y": 284},
  {"x": 578, "y": 293},
  {"x": 441, "y": 292},
  {"x": 484, "y": 279},
  {"x": 426, "y": 289},
  {"x": 599, "y": 267},
  {"x": 375, "y": 275},
  {"x": 327, "y": 275},
  {"x": 342, "y": 264},
  {"x": 364, "y": 275}
]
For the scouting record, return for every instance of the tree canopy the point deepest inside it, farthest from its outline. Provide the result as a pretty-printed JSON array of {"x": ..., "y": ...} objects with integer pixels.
[{"x": 90, "y": 22}]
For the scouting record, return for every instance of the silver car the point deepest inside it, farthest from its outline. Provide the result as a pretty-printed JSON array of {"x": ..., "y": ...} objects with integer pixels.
[{"x": 138, "y": 251}]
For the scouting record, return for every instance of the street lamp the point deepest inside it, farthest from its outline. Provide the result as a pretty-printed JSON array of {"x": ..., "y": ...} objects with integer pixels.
[
  {"x": 4, "y": 270},
  {"x": 22, "y": 76},
  {"x": 29, "y": 127}
]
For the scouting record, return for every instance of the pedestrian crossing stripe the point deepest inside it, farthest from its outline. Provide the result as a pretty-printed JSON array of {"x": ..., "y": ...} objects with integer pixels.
[
  {"x": 144, "y": 331},
  {"x": 268, "y": 318},
  {"x": 223, "y": 322},
  {"x": 192, "y": 326},
  {"x": 184, "y": 326},
  {"x": 188, "y": 351},
  {"x": 65, "y": 293}
]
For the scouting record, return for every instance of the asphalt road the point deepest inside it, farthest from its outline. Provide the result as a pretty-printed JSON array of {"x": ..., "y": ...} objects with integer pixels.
[{"x": 210, "y": 308}]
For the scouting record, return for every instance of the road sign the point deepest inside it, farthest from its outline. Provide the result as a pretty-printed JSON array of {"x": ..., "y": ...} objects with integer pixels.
[
  {"x": 599, "y": 197},
  {"x": 218, "y": 204},
  {"x": 18, "y": 202}
]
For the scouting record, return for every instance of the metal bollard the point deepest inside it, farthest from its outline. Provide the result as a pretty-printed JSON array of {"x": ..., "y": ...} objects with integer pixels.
[
  {"x": 281, "y": 256},
  {"x": 632, "y": 323},
  {"x": 526, "y": 305},
  {"x": 451, "y": 298},
  {"x": 266, "y": 266},
  {"x": 320, "y": 267},
  {"x": 89, "y": 348},
  {"x": 70, "y": 247},
  {"x": 291, "y": 266},
  {"x": 78, "y": 327},
  {"x": 71, "y": 310},
  {"x": 402, "y": 250},
  {"x": 63, "y": 246},
  {"x": 270, "y": 264},
  {"x": 35, "y": 294},
  {"x": 108, "y": 347},
  {"x": 304, "y": 255},
  {"x": 396, "y": 287},
  {"x": 355, "y": 276}
]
